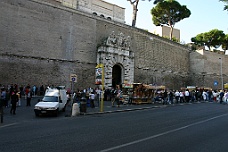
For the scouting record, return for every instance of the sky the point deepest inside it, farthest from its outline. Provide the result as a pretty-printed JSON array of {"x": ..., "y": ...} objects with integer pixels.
[{"x": 205, "y": 15}]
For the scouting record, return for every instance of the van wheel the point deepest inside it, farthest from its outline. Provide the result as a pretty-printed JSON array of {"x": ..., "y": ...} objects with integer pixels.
[{"x": 36, "y": 114}]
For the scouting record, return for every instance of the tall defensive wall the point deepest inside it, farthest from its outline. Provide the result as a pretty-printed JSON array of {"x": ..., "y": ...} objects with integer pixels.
[{"x": 42, "y": 42}]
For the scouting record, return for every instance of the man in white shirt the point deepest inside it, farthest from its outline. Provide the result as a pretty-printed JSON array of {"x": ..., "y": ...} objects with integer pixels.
[
  {"x": 177, "y": 96},
  {"x": 186, "y": 94},
  {"x": 92, "y": 97}
]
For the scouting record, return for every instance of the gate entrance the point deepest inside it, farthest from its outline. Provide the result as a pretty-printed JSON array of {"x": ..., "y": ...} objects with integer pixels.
[
  {"x": 116, "y": 75},
  {"x": 118, "y": 60}
]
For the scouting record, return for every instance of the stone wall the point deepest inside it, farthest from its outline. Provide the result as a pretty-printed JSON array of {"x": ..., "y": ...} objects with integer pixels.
[
  {"x": 43, "y": 43},
  {"x": 206, "y": 69}
]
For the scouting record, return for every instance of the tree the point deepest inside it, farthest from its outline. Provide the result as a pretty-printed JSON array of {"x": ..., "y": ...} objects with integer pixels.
[
  {"x": 213, "y": 38},
  {"x": 168, "y": 13},
  {"x": 198, "y": 39},
  {"x": 225, "y": 42},
  {"x": 134, "y": 4},
  {"x": 226, "y": 4}
]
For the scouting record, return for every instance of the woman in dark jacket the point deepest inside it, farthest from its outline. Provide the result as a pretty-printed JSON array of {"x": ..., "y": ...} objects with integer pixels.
[{"x": 14, "y": 100}]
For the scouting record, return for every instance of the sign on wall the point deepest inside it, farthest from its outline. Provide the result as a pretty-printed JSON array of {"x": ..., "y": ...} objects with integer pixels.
[{"x": 73, "y": 77}]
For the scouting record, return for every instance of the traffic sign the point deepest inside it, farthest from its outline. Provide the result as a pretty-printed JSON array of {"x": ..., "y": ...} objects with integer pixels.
[
  {"x": 73, "y": 78},
  {"x": 215, "y": 83}
]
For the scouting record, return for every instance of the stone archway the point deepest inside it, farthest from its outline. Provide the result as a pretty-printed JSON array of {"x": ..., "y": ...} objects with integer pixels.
[
  {"x": 118, "y": 60},
  {"x": 116, "y": 75}
]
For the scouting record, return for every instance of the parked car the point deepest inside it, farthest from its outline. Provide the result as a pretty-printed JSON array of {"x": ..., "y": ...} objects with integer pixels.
[{"x": 54, "y": 101}]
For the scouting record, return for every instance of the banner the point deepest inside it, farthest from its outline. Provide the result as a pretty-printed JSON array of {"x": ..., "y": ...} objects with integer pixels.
[{"x": 98, "y": 76}]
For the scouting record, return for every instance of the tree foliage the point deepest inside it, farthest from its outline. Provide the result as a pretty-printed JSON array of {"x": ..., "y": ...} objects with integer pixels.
[
  {"x": 225, "y": 42},
  {"x": 213, "y": 38},
  {"x": 168, "y": 13},
  {"x": 134, "y": 4},
  {"x": 226, "y": 4}
]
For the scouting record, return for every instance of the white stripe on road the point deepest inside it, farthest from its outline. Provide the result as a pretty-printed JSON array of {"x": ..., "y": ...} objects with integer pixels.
[
  {"x": 161, "y": 134},
  {"x": 8, "y": 125}
]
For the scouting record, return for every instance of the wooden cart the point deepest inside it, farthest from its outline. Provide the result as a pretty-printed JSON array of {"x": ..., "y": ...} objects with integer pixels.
[{"x": 143, "y": 93}]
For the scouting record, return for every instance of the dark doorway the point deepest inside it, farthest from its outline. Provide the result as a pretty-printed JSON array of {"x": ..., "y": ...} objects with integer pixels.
[{"x": 116, "y": 75}]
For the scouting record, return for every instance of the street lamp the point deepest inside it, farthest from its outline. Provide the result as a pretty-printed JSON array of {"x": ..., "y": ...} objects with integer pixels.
[{"x": 221, "y": 72}]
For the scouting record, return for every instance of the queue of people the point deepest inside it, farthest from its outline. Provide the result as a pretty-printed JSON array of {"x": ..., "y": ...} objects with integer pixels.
[
  {"x": 114, "y": 95},
  {"x": 186, "y": 96},
  {"x": 93, "y": 96}
]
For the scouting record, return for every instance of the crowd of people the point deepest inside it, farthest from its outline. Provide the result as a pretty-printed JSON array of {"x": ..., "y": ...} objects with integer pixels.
[
  {"x": 12, "y": 94},
  {"x": 186, "y": 96},
  {"x": 94, "y": 96}
]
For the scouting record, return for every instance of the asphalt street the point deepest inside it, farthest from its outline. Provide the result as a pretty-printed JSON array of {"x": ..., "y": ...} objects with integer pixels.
[{"x": 180, "y": 128}]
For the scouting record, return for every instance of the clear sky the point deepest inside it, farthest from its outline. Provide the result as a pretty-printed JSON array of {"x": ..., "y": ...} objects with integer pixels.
[{"x": 205, "y": 16}]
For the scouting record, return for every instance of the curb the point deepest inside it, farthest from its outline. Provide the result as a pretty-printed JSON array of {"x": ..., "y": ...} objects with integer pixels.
[{"x": 142, "y": 108}]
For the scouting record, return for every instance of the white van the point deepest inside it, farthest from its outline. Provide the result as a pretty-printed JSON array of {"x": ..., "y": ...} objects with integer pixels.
[{"x": 54, "y": 100}]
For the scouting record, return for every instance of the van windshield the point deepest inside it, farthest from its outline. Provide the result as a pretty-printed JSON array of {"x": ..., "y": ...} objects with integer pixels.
[{"x": 50, "y": 99}]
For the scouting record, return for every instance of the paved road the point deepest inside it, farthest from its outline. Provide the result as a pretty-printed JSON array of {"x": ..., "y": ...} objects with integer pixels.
[
  {"x": 182, "y": 128},
  {"x": 24, "y": 113}
]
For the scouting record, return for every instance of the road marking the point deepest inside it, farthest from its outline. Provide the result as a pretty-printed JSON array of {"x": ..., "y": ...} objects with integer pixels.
[
  {"x": 162, "y": 134},
  {"x": 8, "y": 125}
]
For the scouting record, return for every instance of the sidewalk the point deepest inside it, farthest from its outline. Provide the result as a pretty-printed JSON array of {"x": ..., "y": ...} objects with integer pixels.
[{"x": 108, "y": 108}]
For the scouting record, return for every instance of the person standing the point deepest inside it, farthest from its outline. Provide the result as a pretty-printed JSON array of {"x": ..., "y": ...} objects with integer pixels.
[
  {"x": 14, "y": 100},
  {"x": 187, "y": 95},
  {"x": 42, "y": 90},
  {"x": 204, "y": 95},
  {"x": 177, "y": 96},
  {"x": 113, "y": 94},
  {"x": 34, "y": 90},
  {"x": 118, "y": 95},
  {"x": 3, "y": 97},
  {"x": 221, "y": 95},
  {"x": 165, "y": 95},
  {"x": 226, "y": 96},
  {"x": 181, "y": 96},
  {"x": 29, "y": 97},
  {"x": 92, "y": 97},
  {"x": 171, "y": 97}
]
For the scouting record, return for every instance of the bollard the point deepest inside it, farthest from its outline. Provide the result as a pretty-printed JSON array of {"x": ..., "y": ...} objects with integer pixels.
[
  {"x": 83, "y": 105},
  {"x": 75, "y": 110}
]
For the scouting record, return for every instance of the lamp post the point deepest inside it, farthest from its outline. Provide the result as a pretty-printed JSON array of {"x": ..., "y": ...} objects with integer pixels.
[{"x": 221, "y": 72}]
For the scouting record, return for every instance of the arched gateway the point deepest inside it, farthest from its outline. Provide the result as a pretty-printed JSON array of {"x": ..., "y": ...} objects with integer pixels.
[{"x": 118, "y": 60}]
